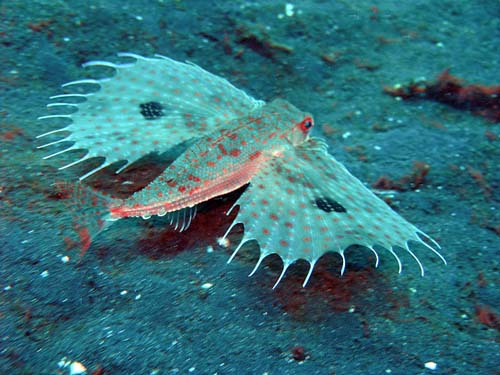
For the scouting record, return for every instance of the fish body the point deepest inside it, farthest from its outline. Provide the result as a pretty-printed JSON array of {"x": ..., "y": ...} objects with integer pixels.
[
  {"x": 300, "y": 202},
  {"x": 221, "y": 161}
]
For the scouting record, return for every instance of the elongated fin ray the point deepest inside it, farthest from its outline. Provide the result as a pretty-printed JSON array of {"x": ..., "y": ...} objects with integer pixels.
[
  {"x": 54, "y": 143},
  {"x": 86, "y": 157},
  {"x": 61, "y": 96},
  {"x": 94, "y": 170},
  {"x": 60, "y": 152},
  {"x": 434, "y": 250},
  {"x": 283, "y": 271},
  {"x": 257, "y": 265},
  {"x": 83, "y": 81},
  {"x": 52, "y": 132},
  {"x": 106, "y": 64},
  {"x": 242, "y": 242},
  {"x": 61, "y": 105},
  {"x": 123, "y": 167},
  {"x": 400, "y": 265},
  {"x": 422, "y": 271},
  {"x": 342, "y": 269},
  {"x": 309, "y": 273},
  {"x": 377, "y": 260},
  {"x": 54, "y": 116}
]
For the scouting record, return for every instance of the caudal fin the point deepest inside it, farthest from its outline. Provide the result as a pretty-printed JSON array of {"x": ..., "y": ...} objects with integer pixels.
[{"x": 90, "y": 213}]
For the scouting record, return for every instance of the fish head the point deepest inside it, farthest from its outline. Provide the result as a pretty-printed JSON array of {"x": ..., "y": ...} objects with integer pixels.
[
  {"x": 300, "y": 131},
  {"x": 295, "y": 125}
]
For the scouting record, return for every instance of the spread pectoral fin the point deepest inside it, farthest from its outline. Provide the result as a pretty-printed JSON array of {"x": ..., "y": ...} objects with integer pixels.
[
  {"x": 148, "y": 106},
  {"x": 305, "y": 203}
]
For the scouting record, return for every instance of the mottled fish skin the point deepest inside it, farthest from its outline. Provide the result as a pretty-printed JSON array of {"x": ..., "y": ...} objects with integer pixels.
[{"x": 300, "y": 203}]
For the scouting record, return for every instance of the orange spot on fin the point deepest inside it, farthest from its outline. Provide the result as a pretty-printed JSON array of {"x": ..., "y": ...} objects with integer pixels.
[
  {"x": 255, "y": 155},
  {"x": 222, "y": 149},
  {"x": 235, "y": 152}
]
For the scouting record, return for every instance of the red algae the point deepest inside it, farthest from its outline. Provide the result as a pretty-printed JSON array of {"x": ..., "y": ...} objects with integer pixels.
[
  {"x": 481, "y": 100},
  {"x": 486, "y": 316}
]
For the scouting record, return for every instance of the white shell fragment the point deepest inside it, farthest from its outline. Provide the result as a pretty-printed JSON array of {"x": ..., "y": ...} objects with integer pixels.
[{"x": 431, "y": 365}]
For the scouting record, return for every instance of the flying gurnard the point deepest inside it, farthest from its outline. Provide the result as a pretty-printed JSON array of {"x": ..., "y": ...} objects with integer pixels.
[{"x": 300, "y": 202}]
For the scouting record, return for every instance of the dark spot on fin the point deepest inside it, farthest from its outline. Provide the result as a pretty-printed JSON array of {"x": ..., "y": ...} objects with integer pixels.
[
  {"x": 329, "y": 205},
  {"x": 151, "y": 110}
]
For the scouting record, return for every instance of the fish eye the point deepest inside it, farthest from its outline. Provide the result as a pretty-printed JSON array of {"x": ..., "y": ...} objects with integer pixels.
[{"x": 306, "y": 124}]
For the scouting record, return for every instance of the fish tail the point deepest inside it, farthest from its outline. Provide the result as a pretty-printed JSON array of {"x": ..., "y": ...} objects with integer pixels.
[{"x": 90, "y": 213}]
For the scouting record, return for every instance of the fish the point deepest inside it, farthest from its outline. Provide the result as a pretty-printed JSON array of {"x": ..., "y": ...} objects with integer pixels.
[{"x": 299, "y": 202}]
